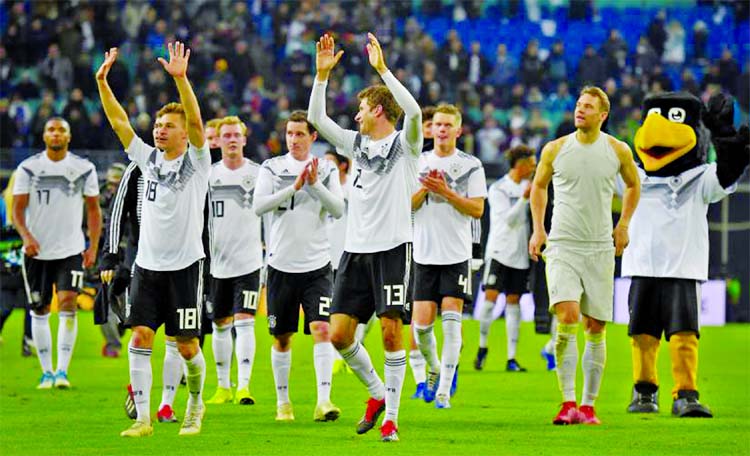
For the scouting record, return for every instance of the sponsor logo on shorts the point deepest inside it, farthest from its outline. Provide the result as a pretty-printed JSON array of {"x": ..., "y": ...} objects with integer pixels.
[{"x": 492, "y": 279}]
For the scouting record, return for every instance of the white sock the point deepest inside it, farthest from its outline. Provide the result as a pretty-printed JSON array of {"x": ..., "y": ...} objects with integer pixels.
[
  {"x": 550, "y": 346},
  {"x": 323, "y": 362},
  {"x": 139, "y": 360},
  {"x": 360, "y": 332},
  {"x": 594, "y": 359},
  {"x": 66, "y": 339},
  {"x": 485, "y": 321},
  {"x": 395, "y": 371},
  {"x": 196, "y": 367},
  {"x": 245, "y": 351},
  {"x": 418, "y": 365},
  {"x": 358, "y": 359},
  {"x": 281, "y": 363},
  {"x": 428, "y": 345},
  {"x": 171, "y": 373},
  {"x": 512, "y": 327},
  {"x": 42, "y": 336},
  {"x": 451, "y": 349},
  {"x": 566, "y": 353},
  {"x": 221, "y": 342}
]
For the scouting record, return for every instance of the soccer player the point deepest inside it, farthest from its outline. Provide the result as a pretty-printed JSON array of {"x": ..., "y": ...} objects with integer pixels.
[
  {"x": 236, "y": 260},
  {"x": 452, "y": 194},
  {"x": 580, "y": 256},
  {"x": 48, "y": 198},
  {"x": 507, "y": 266},
  {"x": 166, "y": 287},
  {"x": 299, "y": 191},
  {"x": 125, "y": 212},
  {"x": 374, "y": 270}
]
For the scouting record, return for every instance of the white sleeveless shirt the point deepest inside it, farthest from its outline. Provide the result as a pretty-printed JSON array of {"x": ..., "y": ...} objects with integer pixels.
[{"x": 584, "y": 182}]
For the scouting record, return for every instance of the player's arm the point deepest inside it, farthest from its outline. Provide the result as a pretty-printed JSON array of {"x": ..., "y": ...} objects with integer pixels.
[
  {"x": 325, "y": 61},
  {"x": 435, "y": 182},
  {"x": 94, "y": 224},
  {"x": 30, "y": 244},
  {"x": 418, "y": 199},
  {"x": 630, "y": 196},
  {"x": 330, "y": 195},
  {"x": 538, "y": 200},
  {"x": 265, "y": 200},
  {"x": 115, "y": 113},
  {"x": 412, "y": 111},
  {"x": 518, "y": 210},
  {"x": 177, "y": 68}
]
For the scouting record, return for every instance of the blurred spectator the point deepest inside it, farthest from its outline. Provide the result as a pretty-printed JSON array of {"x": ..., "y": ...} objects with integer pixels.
[
  {"x": 241, "y": 65},
  {"x": 728, "y": 71},
  {"x": 561, "y": 100},
  {"x": 8, "y": 129},
  {"x": 674, "y": 47},
  {"x": 712, "y": 76},
  {"x": 490, "y": 139},
  {"x": 658, "y": 75},
  {"x": 646, "y": 57},
  {"x": 591, "y": 68},
  {"x": 700, "y": 42},
  {"x": 656, "y": 33},
  {"x": 532, "y": 69},
  {"x": 504, "y": 69},
  {"x": 615, "y": 51},
  {"x": 478, "y": 66},
  {"x": 557, "y": 65},
  {"x": 688, "y": 82},
  {"x": 56, "y": 70},
  {"x": 453, "y": 64}
]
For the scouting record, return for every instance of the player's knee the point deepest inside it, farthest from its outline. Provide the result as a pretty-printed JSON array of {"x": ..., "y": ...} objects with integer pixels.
[
  {"x": 142, "y": 337},
  {"x": 392, "y": 340},
  {"x": 320, "y": 331},
  {"x": 67, "y": 301},
  {"x": 188, "y": 347},
  {"x": 222, "y": 322},
  {"x": 491, "y": 295},
  {"x": 282, "y": 342},
  {"x": 512, "y": 299},
  {"x": 595, "y": 326},
  {"x": 340, "y": 338}
]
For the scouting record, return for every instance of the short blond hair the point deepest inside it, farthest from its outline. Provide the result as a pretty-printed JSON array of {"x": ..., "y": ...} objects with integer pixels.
[
  {"x": 172, "y": 108},
  {"x": 230, "y": 120},
  {"x": 445, "y": 108},
  {"x": 213, "y": 123},
  {"x": 597, "y": 93}
]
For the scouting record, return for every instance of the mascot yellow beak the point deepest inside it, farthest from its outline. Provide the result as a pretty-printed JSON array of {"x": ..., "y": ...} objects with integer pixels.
[{"x": 659, "y": 142}]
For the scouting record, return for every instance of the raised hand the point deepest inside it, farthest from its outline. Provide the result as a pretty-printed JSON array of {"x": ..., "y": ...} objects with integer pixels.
[
  {"x": 325, "y": 58},
  {"x": 312, "y": 172},
  {"x": 375, "y": 54},
  {"x": 109, "y": 59},
  {"x": 178, "y": 60}
]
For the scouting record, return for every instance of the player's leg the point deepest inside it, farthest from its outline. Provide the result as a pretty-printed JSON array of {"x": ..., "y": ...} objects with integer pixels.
[
  {"x": 283, "y": 319},
  {"x": 316, "y": 303},
  {"x": 417, "y": 363},
  {"x": 426, "y": 297},
  {"x": 514, "y": 286},
  {"x": 593, "y": 362},
  {"x": 39, "y": 294},
  {"x": 183, "y": 320},
  {"x": 220, "y": 310},
  {"x": 491, "y": 285},
  {"x": 548, "y": 352},
  {"x": 68, "y": 280},
  {"x": 172, "y": 371},
  {"x": 247, "y": 296}
]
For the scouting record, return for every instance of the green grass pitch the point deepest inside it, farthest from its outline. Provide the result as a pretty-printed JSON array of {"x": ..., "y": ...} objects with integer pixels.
[{"x": 493, "y": 412}]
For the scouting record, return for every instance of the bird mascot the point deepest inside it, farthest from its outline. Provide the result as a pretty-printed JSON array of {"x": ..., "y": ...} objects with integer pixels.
[{"x": 667, "y": 258}]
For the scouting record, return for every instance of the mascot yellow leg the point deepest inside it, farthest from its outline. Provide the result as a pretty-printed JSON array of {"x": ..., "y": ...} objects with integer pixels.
[
  {"x": 683, "y": 348},
  {"x": 645, "y": 351}
]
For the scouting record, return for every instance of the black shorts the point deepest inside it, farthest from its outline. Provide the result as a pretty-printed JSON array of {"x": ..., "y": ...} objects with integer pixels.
[
  {"x": 171, "y": 298},
  {"x": 374, "y": 282},
  {"x": 40, "y": 275},
  {"x": 661, "y": 304},
  {"x": 286, "y": 291},
  {"x": 233, "y": 295},
  {"x": 435, "y": 282},
  {"x": 504, "y": 279}
]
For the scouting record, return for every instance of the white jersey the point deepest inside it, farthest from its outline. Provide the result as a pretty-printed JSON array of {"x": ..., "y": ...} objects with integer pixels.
[
  {"x": 234, "y": 228},
  {"x": 669, "y": 229},
  {"x": 173, "y": 201},
  {"x": 584, "y": 182},
  {"x": 508, "y": 241},
  {"x": 299, "y": 240},
  {"x": 337, "y": 228},
  {"x": 383, "y": 172},
  {"x": 54, "y": 215},
  {"x": 442, "y": 234}
]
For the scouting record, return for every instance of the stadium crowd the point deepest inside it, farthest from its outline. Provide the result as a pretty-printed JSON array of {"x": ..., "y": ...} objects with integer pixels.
[{"x": 254, "y": 59}]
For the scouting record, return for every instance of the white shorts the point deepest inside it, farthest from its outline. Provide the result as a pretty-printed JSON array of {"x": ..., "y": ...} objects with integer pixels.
[{"x": 585, "y": 276}]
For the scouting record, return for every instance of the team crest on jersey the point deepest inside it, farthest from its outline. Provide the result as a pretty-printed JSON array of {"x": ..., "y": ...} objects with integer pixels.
[
  {"x": 272, "y": 321},
  {"x": 248, "y": 181},
  {"x": 456, "y": 169}
]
